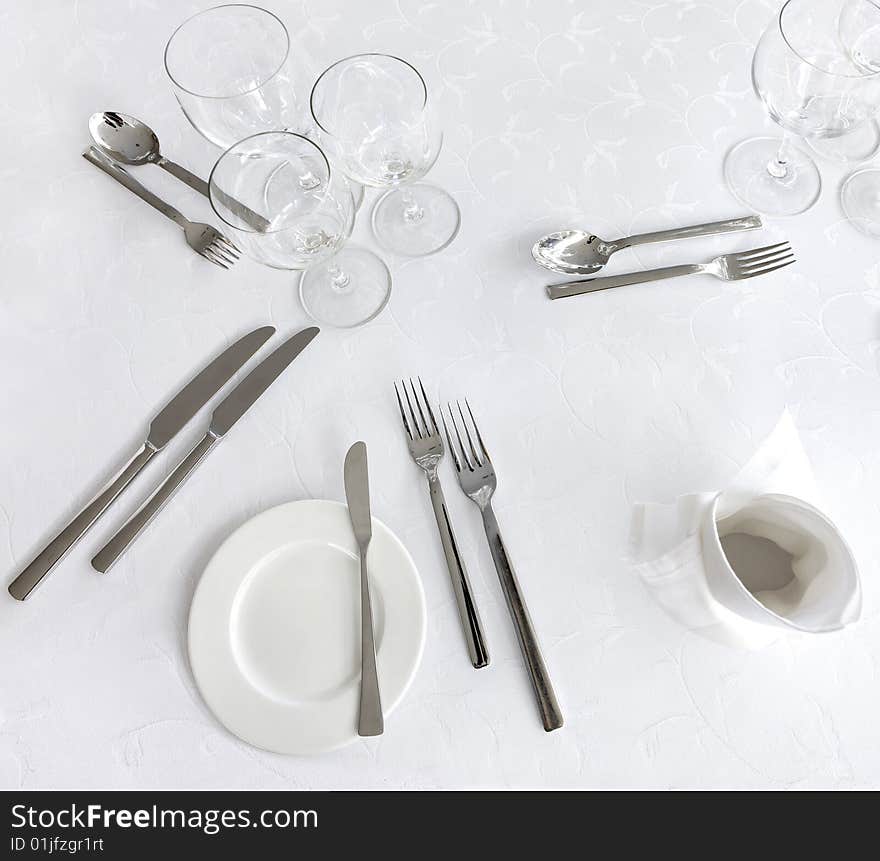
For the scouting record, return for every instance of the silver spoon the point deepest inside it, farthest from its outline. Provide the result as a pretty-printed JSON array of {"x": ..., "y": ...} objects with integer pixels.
[
  {"x": 130, "y": 141},
  {"x": 576, "y": 252}
]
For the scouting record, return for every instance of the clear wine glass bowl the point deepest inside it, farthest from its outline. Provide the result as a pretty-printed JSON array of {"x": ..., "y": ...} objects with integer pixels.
[
  {"x": 373, "y": 113},
  {"x": 234, "y": 74},
  {"x": 806, "y": 74},
  {"x": 286, "y": 208},
  {"x": 858, "y": 28},
  {"x": 303, "y": 212},
  {"x": 860, "y": 193}
]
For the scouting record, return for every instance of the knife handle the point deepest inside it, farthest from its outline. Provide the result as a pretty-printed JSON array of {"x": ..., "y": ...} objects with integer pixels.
[
  {"x": 58, "y": 547},
  {"x": 370, "y": 720},
  {"x": 117, "y": 545}
]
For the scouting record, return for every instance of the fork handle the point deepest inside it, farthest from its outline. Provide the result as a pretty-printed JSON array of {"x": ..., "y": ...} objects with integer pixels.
[
  {"x": 123, "y": 177},
  {"x": 551, "y": 715},
  {"x": 591, "y": 285},
  {"x": 471, "y": 626}
]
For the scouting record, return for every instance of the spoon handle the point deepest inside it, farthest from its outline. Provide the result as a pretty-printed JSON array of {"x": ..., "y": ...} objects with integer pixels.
[
  {"x": 184, "y": 175},
  {"x": 247, "y": 215},
  {"x": 97, "y": 158},
  {"x": 714, "y": 228}
]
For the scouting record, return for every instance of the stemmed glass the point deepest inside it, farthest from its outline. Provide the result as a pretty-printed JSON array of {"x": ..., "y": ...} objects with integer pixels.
[
  {"x": 373, "y": 114},
  {"x": 860, "y": 193},
  {"x": 811, "y": 86},
  {"x": 288, "y": 209},
  {"x": 234, "y": 74},
  {"x": 858, "y": 28}
]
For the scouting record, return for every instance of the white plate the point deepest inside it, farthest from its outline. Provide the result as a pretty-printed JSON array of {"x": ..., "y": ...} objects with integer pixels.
[{"x": 274, "y": 627}]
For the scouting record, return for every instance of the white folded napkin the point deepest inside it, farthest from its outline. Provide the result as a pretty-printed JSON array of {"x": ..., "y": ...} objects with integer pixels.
[{"x": 758, "y": 555}]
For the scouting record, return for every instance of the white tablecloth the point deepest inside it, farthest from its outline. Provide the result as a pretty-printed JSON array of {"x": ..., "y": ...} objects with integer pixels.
[{"x": 612, "y": 115}]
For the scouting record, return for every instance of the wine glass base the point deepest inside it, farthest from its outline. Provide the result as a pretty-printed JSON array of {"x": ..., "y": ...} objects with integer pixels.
[
  {"x": 416, "y": 220},
  {"x": 861, "y": 144},
  {"x": 860, "y": 199},
  {"x": 348, "y": 290},
  {"x": 745, "y": 170}
]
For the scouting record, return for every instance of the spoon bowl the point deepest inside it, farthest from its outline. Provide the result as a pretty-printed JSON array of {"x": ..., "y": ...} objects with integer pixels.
[
  {"x": 573, "y": 252},
  {"x": 124, "y": 138},
  {"x": 127, "y": 140}
]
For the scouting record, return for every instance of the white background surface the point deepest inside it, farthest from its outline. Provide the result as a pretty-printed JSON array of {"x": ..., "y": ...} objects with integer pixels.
[{"x": 611, "y": 115}]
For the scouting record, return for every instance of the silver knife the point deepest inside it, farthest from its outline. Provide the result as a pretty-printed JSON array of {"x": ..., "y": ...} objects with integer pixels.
[
  {"x": 230, "y": 410},
  {"x": 185, "y": 404},
  {"x": 357, "y": 494}
]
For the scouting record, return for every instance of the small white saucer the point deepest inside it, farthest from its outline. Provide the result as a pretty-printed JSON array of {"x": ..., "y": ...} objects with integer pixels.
[{"x": 274, "y": 627}]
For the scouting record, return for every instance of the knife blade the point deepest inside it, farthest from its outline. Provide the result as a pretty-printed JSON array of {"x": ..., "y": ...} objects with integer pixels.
[
  {"x": 230, "y": 410},
  {"x": 168, "y": 422},
  {"x": 357, "y": 494},
  {"x": 195, "y": 394}
]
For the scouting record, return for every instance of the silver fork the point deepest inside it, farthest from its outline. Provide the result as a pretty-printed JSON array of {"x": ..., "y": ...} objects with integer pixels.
[
  {"x": 202, "y": 238},
  {"x": 426, "y": 448},
  {"x": 476, "y": 475},
  {"x": 727, "y": 267}
]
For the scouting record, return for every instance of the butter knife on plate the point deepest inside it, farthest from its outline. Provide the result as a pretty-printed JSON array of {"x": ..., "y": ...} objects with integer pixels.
[
  {"x": 230, "y": 410},
  {"x": 357, "y": 495},
  {"x": 179, "y": 410}
]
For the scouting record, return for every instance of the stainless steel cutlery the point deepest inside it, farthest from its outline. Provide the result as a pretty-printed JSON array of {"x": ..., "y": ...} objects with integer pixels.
[
  {"x": 727, "y": 267},
  {"x": 577, "y": 252},
  {"x": 230, "y": 410},
  {"x": 202, "y": 238},
  {"x": 476, "y": 475},
  {"x": 426, "y": 448},
  {"x": 170, "y": 420},
  {"x": 357, "y": 495},
  {"x": 130, "y": 141}
]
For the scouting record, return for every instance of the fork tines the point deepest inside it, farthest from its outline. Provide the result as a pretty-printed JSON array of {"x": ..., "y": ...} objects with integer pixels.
[
  {"x": 415, "y": 428},
  {"x": 220, "y": 251},
  {"x": 475, "y": 454},
  {"x": 760, "y": 261}
]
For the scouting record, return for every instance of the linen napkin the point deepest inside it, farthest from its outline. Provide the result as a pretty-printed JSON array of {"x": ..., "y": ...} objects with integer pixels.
[{"x": 759, "y": 556}]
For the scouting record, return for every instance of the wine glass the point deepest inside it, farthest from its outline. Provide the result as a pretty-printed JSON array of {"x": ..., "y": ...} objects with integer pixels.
[
  {"x": 812, "y": 87},
  {"x": 858, "y": 28},
  {"x": 860, "y": 193},
  {"x": 234, "y": 74},
  {"x": 373, "y": 112},
  {"x": 287, "y": 208}
]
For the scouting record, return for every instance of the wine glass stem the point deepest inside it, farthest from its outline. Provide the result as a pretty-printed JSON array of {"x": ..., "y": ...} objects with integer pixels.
[
  {"x": 339, "y": 278},
  {"x": 778, "y": 167},
  {"x": 412, "y": 212}
]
